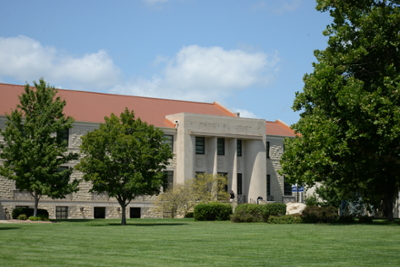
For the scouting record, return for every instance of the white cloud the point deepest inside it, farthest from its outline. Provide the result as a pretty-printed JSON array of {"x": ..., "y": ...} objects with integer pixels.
[
  {"x": 26, "y": 59},
  {"x": 205, "y": 74},
  {"x": 245, "y": 113}
]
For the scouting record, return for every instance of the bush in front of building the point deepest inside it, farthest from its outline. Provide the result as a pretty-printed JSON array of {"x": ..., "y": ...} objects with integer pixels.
[
  {"x": 250, "y": 213},
  {"x": 29, "y": 212},
  {"x": 257, "y": 212},
  {"x": 22, "y": 217},
  {"x": 38, "y": 218},
  {"x": 285, "y": 219},
  {"x": 214, "y": 211},
  {"x": 316, "y": 214},
  {"x": 276, "y": 209}
]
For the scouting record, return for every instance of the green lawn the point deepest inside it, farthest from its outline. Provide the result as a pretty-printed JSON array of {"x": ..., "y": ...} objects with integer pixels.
[{"x": 183, "y": 242}]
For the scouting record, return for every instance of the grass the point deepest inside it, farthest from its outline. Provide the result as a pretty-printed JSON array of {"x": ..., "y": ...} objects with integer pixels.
[{"x": 184, "y": 242}]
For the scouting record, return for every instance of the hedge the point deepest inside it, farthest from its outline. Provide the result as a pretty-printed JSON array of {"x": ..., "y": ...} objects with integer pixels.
[
  {"x": 29, "y": 212},
  {"x": 212, "y": 211},
  {"x": 257, "y": 213}
]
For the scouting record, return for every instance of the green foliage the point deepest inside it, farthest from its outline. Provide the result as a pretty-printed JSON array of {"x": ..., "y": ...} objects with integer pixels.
[
  {"x": 213, "y": 211},
  {"x": 250, "y": 213},
  {"x": 32, "y": 153},
  {"x": 349, "y": 128},
  {"x": 38, "y": 218},
  {"x": 285, "y": 219},
  {"x": 257, "y": 213},
  {"x": 22, "y": 217},
  {"x": 346, "y": 219},
  {"x": 29, "y": 212},
  {"x": 276, "y": 209},
  {"x": 315, "y": 214},
  {"x": 181, "y": 198},
  {"x": 365, "y": 219},
  {"x": 189, "y": 215},
  {"x": 125, "y": 157},
  {"x": 311, "y": 201}
]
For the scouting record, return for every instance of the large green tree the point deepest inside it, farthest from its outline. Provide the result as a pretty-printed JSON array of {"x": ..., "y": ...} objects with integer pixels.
[
  {"x": 350, "y": 107},
  {"x": 34, "y": 151},
  {"x": 124, "y": 158}
]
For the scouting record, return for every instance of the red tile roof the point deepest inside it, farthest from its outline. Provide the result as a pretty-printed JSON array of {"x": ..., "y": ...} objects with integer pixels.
[
  {"x": 279, "y": 128},
  {"x": 93, "y": 107}
]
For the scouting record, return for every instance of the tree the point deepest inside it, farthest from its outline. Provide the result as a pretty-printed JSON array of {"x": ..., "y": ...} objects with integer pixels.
[
  {"x": 124, "y": 158},
  {"x": 34, "y": 151},
  {"x": 181, "y": 198},
  {"x": 349, "y": 130}
]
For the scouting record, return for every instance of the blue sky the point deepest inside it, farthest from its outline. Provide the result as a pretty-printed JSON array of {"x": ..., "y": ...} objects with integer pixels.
[{"x": 249, "y": 55}]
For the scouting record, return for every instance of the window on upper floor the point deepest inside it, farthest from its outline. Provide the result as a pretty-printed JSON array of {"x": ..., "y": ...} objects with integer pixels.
[
  {"x": 200, "y": 145},
  {"x": 239, "y": 147},
  {"x": 169, "y": 139},
  {"x": 221, "y": 146},
  {"x": 267, "y": 149},
  {"x": 63, "y": 135}
]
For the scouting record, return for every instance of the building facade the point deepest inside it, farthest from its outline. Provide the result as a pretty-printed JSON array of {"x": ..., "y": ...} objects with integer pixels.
[{"x": 205, "y": 138}]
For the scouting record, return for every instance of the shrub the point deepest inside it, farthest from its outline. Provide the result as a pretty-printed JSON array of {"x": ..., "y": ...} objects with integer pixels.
[
  {"x": 285, "y": 219},
  {"x": 189, "y": 215},
  {"x": 22, "y": 217},
  {"x": 250, "y": 213},
  {"x": 212, "y": 211},
  {"x": 315, "y": 214},
  {"x": 365, "y": 219},
  {"x": 257, "y": 213},
  {"x": 29, "y": 212},
  {"x": 33, "y": 218},
  {"x": 345, "y": 219},
  {"x": 276, "y": 209}
]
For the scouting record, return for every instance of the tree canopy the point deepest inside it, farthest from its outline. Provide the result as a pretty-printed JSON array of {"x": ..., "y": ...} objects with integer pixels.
[
  {"x": 34, "y": 151},
  {"x": 124, "y": 158},
  {"x": 349, "y": 129}
]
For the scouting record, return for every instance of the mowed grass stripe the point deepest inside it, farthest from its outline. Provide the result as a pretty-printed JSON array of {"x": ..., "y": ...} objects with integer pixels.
[{"x": 183, "y": 242}]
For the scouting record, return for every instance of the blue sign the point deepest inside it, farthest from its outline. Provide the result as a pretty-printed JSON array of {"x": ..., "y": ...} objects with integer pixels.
[{"x": 295, "y": 188}]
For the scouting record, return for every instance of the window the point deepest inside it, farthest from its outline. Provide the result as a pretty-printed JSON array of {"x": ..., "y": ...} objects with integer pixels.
[
  {"x": 169, "y": 139},
  {"x": 168, "y": 180},
  {"x": 63, "y": 135},
  {"x": 239, "y": 148},
  {"x": 61, "y": 212},
  {"x": 220, "y": 146},
  {"x": 99, "y": 212},
  {"x": 268, "y": 185},
  {"x": 267, "y": 151},
  {"x": 200, "y": 145},
  {"x": 287, "y": 189},
  {"x": 239, "y": 184}
]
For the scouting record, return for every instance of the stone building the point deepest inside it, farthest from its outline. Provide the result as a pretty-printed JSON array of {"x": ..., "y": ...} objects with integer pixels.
[{"x": 205, "y": 137}]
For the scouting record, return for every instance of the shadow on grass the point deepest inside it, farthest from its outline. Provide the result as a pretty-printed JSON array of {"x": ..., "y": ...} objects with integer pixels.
[{"x": 9, "y": 228}]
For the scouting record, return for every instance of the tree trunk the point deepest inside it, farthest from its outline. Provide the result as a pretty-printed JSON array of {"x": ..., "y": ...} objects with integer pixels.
[
  {"x": 36, "y": 200},
  {"x": 389, "y": 208},
  {"x": 123, "y": 209}
]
